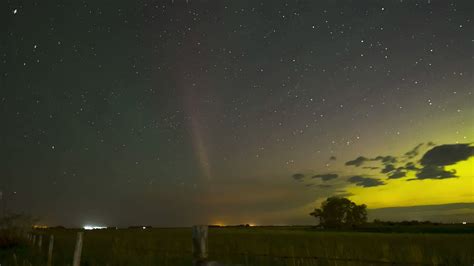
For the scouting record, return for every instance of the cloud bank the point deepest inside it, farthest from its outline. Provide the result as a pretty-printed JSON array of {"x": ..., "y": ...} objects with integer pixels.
[{"x": 425, "y": 160}]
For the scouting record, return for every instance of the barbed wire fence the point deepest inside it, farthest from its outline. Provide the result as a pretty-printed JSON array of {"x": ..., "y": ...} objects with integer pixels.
[{"x": 199, "y": 254}]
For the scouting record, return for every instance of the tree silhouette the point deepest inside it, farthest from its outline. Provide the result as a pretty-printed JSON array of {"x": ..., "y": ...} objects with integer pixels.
[{"x": 338, "y": 212}]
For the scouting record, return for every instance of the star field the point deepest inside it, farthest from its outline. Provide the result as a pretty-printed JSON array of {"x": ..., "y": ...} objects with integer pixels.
[{"x": 177, "y": 111}]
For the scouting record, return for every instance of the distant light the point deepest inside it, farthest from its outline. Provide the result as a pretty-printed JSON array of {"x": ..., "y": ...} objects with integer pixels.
[
  {"x": 144, "y": 227},
  {"x": 15, "y": 11},
  {"x": 93, "y": 227},
  {"x": 40, "y": 226},
  {"x": 464, "y": 222}
]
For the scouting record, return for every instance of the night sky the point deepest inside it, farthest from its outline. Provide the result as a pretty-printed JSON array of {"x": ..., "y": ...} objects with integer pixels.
[{"x": 179, "y": 112}]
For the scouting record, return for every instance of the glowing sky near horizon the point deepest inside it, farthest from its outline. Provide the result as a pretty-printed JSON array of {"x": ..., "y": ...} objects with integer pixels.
[{"x": 186, "y": 112}]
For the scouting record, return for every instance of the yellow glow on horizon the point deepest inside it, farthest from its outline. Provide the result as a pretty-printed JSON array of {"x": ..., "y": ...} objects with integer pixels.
[
  {"x": 218, "y": 224},
  {"x": 400, "y": 192}
]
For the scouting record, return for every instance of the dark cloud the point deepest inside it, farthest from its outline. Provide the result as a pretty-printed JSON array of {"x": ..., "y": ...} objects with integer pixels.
[
  {"x": 358, "y": 161},
  {"x": 432, "y": 162},
  {"x": 371, "y": 167},
  {"x": 326, "y": 177},
  {"x": 386, "y": 159},
  {"x": 435, "y": 172},
  {"x": 447, "y": 213},
  {"x": 399, "y": 173},
  {"x": 414, "y": 152},
  {"x": 411, "y": 166},
  {"x": 365, "y": 181},
  {"x": 388, "y": 168},
  {"x": 332, "y": 158},
  {"x": 324, "y": 186},
  {"x": 447, "y": 154},
  {"x": 361, "y": 160},
  {"x": 298, "y": 176}
]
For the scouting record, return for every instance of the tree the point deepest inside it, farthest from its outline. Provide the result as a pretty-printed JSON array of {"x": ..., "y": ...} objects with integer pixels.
[{"x": 339, "y": 212}]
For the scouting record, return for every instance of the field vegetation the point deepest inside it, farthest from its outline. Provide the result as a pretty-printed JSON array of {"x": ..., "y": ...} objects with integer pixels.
[{"x": 252, "y": 246}]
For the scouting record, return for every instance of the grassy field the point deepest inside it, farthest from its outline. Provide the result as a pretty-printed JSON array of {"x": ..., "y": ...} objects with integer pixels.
[{"x": 252, "y": 246}]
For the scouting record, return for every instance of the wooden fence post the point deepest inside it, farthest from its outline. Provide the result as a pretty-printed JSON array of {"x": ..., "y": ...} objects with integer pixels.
[
  {"x": 200, "y": 233},
  {"x": 34, "y": 240},
  {"x": 15, "y": 260},
  {"x": 50, "y": 250},
  {"x": 40, "y": 242},
  {"x": 78, "y": 250}
]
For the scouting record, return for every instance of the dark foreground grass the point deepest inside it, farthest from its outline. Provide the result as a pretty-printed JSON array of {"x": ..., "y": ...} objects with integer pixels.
[{"x": 252, "y": 246}]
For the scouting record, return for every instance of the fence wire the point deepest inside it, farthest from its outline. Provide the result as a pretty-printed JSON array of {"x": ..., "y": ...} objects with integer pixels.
[
  {"x": 316, "y": 258},
  {"x": 246, "y": 256}
]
